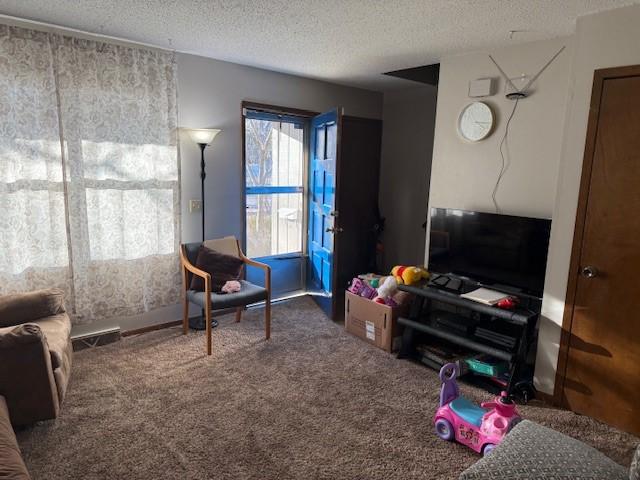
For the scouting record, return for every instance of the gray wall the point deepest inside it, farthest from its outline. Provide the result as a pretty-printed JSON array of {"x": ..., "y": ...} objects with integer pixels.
[
  {"x": 547, "y": 144},
  {"x": 407, "y": 143},
  {"x": 464, "y": 173},
  {"x": 210, "y": 93}
]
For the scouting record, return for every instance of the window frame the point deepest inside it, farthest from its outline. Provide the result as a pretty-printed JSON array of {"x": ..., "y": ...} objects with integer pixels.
[{"x": 292, "y": 113}]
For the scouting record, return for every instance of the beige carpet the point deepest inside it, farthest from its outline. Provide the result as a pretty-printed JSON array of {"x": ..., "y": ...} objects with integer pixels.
[{"x": 313, "y": 402}]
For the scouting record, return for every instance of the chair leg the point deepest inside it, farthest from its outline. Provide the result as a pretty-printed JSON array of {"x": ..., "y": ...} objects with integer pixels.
[
  {"x": 238, "y": 314},
  {"x": 208, "y": 320},
  {"x": 185, "y": 316},
  {"x": 267, "y": 318}
]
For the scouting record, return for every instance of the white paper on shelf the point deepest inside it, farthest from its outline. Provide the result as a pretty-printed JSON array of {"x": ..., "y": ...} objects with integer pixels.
[{"x": 485, "y": 295}]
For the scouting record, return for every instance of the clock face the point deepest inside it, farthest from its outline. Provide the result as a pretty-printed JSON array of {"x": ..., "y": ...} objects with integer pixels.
[{"x": 475, "y": 122}]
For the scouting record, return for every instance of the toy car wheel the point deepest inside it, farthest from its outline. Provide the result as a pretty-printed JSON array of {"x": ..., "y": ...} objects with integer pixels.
[
  {"x": 444, "y": 429},
  {"x": 525, "y": 391},
  {"x": 487, "y": 449}
]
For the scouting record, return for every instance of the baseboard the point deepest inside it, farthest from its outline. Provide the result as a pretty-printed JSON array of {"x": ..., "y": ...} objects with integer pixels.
[
  {"x": 173, "y": 323},
  {"x": 96, "y": 338},
  {"x": 151, "y": 328},
  {"x": 547, "y": 398}
]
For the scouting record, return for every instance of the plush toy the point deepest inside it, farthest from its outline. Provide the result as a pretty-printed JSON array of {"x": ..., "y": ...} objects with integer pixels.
[
  {"x": 231, "y": 286},
  {"x": 356, "y": 286},
  {"x": 386, "y": 291},
  {"x": 372, "y": 279},
  {"x": 368, "y": 292},
  {"x": 409, "y": 275}
]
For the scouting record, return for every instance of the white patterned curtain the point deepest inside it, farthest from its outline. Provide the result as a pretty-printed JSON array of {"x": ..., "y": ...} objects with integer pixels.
[{"x": 88, "y": 172}]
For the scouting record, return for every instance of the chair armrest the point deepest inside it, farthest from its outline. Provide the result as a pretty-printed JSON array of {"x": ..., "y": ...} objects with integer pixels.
[
  {"x": 253, "y": 263},
  {"x": 263, "y": 266},
  {"x": 187, "y": 265},
  {"x": 20, "y": 308},
  {"x": 26, "y": 374}
]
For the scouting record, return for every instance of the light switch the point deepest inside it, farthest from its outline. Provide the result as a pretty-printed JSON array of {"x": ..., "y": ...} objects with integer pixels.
[{"x": 195, "y": 205}]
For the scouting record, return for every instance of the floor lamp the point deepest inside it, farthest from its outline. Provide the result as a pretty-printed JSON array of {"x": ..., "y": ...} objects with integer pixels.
[{"x": 203, "y": 137}]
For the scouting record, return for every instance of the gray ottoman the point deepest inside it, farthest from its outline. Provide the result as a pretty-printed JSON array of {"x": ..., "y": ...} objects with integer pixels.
[{"x": 531, "y": 451}]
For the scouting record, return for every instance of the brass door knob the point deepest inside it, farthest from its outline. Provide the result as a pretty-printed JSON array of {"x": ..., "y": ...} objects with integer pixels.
[{"x": 589, "y": 271}]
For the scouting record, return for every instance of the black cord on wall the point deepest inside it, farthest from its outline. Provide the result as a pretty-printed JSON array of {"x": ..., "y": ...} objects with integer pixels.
[{"x": 503, "y": 168}]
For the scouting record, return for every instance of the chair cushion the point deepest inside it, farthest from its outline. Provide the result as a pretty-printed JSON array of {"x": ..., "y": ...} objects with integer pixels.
[
  {"x": 57, "y": 331},
  {"x": 191, "y": 250},
  {"x": 227, "y": 245},
  {"x": 220, "y": 266},
  {"x": 20, "y": 308},
  {"x": 533, "y": 452},
  {"x": 249, "y": 293}
]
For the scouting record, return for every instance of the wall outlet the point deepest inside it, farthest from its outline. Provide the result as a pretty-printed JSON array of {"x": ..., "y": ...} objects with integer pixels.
[{"x": 195, "y": 206}]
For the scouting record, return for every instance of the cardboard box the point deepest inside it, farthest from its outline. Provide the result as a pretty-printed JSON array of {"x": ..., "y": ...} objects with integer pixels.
[{"x": 373, "y": 322}]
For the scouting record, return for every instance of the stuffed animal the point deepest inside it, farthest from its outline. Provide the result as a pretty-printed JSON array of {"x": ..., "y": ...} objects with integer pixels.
[
  {"x": 356, "y": 286},
  {"x": 409, "y": 275},
  {"x": 372, "y": 279},
  {"x": 386, "y": 291},
  {"x": 231, "y": 286}
]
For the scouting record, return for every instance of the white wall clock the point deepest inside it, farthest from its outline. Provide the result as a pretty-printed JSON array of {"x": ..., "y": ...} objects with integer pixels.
[{"x": 475, "y": 122}]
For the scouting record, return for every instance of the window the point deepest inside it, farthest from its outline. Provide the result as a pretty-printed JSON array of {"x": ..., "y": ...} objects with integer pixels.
[{"x": 274, "y": 172}]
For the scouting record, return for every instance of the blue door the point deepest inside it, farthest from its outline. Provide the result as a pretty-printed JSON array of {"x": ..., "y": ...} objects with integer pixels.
[{"x": 323, "y": 153}]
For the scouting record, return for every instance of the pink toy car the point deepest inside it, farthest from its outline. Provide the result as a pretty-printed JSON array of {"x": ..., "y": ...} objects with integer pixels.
[{"x": 479, "y": 428}]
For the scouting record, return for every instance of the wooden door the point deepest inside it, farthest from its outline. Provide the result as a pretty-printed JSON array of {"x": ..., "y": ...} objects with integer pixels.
[
  {"x": 323, "y": 177},
  {"x": 601, "y": 338}
]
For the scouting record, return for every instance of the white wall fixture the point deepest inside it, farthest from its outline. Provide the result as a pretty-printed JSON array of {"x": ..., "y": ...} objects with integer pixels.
[
  {"x": 481, "y": 87},
  {"x": 475, "y": 121},
  {"x": 516, "y": 93}
]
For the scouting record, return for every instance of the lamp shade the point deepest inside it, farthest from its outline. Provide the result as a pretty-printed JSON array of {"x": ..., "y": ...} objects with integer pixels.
[{"x": 203, "y": 135}]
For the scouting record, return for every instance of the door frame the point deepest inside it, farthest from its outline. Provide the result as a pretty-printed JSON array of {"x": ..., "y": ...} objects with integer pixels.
[
  {"x": 599, "y": 77},
  {"x": 306, "y": 115}
]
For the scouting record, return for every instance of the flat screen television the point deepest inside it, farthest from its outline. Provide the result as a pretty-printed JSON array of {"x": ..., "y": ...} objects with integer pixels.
[{"x": 490, "y": 248}]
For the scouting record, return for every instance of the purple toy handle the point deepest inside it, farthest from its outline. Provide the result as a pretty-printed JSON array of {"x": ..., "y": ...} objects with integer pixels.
[{"x": 449, "y": 390}]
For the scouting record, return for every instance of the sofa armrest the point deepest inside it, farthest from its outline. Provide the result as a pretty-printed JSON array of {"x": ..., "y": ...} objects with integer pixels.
[
  {"x": 26, "y": 375},
  {"x": 11, "y": 464},
  {"x": 20, "y": 308}
]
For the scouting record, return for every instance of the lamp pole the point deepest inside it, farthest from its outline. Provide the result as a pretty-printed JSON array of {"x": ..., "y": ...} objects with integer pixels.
[
  {"x": 203, "y": 175},
  {"x": 203, "y": 137}
]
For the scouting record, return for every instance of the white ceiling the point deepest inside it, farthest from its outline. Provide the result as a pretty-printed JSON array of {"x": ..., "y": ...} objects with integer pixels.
[{"x": 344, "y": 41}]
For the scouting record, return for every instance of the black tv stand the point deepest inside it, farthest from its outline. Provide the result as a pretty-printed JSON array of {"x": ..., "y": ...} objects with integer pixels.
[{"x": 479, "y": 328}]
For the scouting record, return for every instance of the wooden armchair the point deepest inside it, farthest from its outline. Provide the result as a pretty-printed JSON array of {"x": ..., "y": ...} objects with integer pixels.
[{"x": 208, "y": 300}]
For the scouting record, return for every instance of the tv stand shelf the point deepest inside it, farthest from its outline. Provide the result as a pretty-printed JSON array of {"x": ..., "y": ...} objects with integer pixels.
[
  {"x": 521, "y": 321},
  {"x": 517, "y": 316},
  {"x": 462, "y": 340}
]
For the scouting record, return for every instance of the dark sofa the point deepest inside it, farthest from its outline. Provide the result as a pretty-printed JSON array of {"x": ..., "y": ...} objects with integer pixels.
[{"x": 35, "y": 354}]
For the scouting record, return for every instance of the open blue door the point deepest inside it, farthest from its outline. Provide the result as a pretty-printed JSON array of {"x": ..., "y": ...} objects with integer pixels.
[{"x": 323, "y": 157}]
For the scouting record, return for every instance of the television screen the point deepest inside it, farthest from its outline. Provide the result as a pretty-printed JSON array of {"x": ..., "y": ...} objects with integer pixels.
[{"x": 490, "y": 248}]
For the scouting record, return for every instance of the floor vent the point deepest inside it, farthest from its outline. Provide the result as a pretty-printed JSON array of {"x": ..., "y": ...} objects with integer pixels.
[{"x": 96, "y": 339}]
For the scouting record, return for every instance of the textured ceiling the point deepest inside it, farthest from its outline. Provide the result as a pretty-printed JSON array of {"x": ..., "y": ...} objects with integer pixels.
[{"x": 343, "y": 41}]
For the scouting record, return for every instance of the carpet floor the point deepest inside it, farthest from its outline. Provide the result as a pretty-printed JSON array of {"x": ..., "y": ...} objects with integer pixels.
[{"x": 313, "y": 402}]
